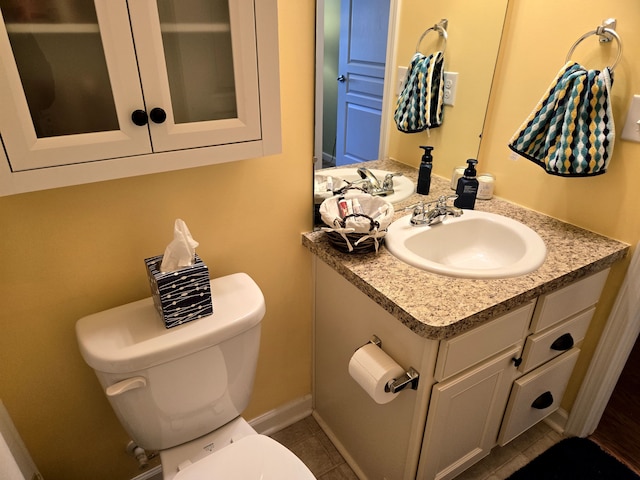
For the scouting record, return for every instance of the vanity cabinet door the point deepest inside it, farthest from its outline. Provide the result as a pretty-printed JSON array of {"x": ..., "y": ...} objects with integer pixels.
[{"x": 464, "y": 417}]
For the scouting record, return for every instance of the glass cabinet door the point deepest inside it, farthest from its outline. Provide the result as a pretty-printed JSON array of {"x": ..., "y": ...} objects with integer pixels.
[
  {"x": 198, "y": 64},
  {"x": 68, "y": 73},
  {"x": 93, "y": 90}
]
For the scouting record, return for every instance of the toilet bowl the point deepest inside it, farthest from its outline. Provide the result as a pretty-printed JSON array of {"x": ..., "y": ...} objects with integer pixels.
[
  {"x": 234, "y": 451},
  {"x": 181, "y": 391}
]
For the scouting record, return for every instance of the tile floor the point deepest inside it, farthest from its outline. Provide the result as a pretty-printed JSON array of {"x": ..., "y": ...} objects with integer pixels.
[{"x": 307, "y": 440}]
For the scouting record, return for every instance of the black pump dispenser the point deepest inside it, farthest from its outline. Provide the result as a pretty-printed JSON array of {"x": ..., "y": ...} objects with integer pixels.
[
  {"x": 424, "y": 174},
  {"x": 467, "y": 188}
]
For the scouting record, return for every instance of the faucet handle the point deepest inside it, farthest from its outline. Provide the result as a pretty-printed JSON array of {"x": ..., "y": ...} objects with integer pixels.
[
  {"x": 418, "y": 214},
  {"x": 419, "y": 207},
  {"x": 387, "y": 183},
  {"x": 442, "y": 200}
]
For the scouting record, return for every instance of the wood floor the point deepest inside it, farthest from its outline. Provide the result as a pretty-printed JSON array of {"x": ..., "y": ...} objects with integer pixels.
[{"x": 619, "y": 430}]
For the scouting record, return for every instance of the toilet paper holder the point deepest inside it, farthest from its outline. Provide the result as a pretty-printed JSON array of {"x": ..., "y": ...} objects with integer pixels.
[{"x": 409, "y": 379}]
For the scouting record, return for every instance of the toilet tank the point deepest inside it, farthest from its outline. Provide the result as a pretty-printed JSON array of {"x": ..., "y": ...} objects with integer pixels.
[{"x": 170, "y": 386}]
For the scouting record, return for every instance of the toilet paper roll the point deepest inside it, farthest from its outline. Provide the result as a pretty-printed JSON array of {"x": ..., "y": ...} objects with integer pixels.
[{"x": 373, "y": 369}]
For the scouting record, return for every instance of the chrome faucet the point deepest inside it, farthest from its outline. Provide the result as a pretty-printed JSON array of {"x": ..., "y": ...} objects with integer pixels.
[
  {"x": 423, "y": 215},
  {"x": 371, "y": 184},
  {"x": 368, "y": 175}
]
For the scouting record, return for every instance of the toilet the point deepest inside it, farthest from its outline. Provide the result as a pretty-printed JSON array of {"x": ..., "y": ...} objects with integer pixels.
[{"x": 181, "y": 391}]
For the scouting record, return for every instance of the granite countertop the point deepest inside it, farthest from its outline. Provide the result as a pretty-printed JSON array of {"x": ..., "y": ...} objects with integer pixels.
[{"x": 438, "y": 307}]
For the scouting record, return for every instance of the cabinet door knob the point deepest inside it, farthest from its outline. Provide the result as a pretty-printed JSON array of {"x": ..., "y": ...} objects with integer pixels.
[
  {"x": 157, "y": 115},
  {"x": 139, "y": 117},
  {"x": 563, "y": 342},
  {"x": 543, "y": 401}
]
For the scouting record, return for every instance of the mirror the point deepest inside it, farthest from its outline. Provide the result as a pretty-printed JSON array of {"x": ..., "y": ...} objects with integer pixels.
[{"x": 474, "y": 33}]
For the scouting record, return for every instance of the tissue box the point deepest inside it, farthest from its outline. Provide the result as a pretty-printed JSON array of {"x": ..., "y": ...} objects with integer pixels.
[{"x": 180, "y": 296}]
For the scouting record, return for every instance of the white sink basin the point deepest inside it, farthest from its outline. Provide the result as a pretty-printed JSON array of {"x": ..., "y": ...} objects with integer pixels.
[
  {"x": 475, "y": 245},
  {"x": 402, "y": 186}
]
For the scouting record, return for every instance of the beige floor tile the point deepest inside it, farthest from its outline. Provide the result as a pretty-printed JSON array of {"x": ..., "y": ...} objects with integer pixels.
[
  {"x": 314, "y": 456},
  {"x": 307, "y": 440},
  {"x": 512, "y": 466},
  {"x": 293, "y": 434},
  {"x": 341, "y": 472}
]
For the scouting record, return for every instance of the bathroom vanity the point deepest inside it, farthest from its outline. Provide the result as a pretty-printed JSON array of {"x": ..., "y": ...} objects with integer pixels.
[{"x": 494, "y": 356}]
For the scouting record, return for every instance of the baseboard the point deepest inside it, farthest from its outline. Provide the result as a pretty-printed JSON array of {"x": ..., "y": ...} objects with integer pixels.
[
  {"x": 328, "y": 159},
  {"x": 558, "y": 420},
  {"x": 281, "y": 417}
]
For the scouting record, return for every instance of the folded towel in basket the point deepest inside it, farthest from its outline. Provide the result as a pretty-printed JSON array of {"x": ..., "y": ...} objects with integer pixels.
[
  {"x": 571, "y": 131},
  {"x": 420, "y": 104}
]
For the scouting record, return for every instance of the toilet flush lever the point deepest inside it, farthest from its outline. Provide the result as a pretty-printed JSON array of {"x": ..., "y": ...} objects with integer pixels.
[{"x": 125, "y": 386}]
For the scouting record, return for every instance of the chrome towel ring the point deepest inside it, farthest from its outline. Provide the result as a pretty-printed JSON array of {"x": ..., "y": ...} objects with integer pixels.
[
  {"x": 601, "y": 31},
  {"x": 441, "y": 28}
]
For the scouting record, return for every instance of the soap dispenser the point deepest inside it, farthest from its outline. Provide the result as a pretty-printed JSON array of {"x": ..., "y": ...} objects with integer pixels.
[
  {"x": 467, "y": 188},
  {"x": 424, "y": 174}
]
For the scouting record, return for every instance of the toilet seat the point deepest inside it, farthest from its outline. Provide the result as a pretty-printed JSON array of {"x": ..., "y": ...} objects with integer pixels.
[{"x": 253, "y": 457}]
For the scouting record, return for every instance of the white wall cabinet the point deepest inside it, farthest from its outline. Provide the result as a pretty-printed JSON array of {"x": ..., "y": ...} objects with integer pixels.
[
  {"x": 114, "y": 88},
  {"x": 477, "y": 390}
]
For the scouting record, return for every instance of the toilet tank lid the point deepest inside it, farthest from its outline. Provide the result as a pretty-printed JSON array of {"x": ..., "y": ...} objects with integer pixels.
[{"x": 133, "y": 337}]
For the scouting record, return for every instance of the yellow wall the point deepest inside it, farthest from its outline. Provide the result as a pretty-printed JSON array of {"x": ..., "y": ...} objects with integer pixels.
[
  {"x": 471, "y": 50},
  {"x": 534, "y": 48},
  {"x": 77, "y": 250},
  {"x": 74, "y": 251}
]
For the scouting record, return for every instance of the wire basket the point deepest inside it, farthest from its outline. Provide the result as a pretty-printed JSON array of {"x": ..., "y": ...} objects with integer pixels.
[{"x": 359, "y": 231}]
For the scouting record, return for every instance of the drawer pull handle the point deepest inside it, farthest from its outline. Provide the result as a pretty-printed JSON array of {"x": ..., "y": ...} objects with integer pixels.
[
  {"x": 543, "y": 401},
  {"x": 563, "y": 342}
]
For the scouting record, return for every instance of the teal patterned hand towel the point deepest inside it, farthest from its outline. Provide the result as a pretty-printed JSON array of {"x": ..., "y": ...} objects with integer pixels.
[
  {"x": 420, "y": 104},
  {"x": 571, "y": 131}
]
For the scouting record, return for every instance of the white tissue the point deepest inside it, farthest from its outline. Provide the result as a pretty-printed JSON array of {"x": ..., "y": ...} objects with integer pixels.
[
  {"x": 373, "y": 369},
  {"x": 181, "y": 251}
]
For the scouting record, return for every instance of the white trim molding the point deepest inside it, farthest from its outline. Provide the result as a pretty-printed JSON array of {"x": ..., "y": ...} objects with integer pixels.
[
  {"x": 281, "y": 417},
  {"x": 612, "y": 352}
]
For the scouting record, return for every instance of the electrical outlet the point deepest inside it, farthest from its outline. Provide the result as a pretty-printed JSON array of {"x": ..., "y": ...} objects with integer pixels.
[
  {"x": 450, "y": 87},
  {"x": 631, "y": 130}
]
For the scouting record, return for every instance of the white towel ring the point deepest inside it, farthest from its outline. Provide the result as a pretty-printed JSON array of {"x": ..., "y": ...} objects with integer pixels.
[
  {"x": 438, "y": 27},
  {"x": 600, "y": 31}
]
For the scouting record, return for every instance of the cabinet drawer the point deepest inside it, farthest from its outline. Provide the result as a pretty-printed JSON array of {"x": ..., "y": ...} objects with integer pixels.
[
  {"x": 537, "y": 395},
  {"x": 550, "y": 343},
  {"x": 556, "y": 306},
  {"x": 474, "y": 346}
]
